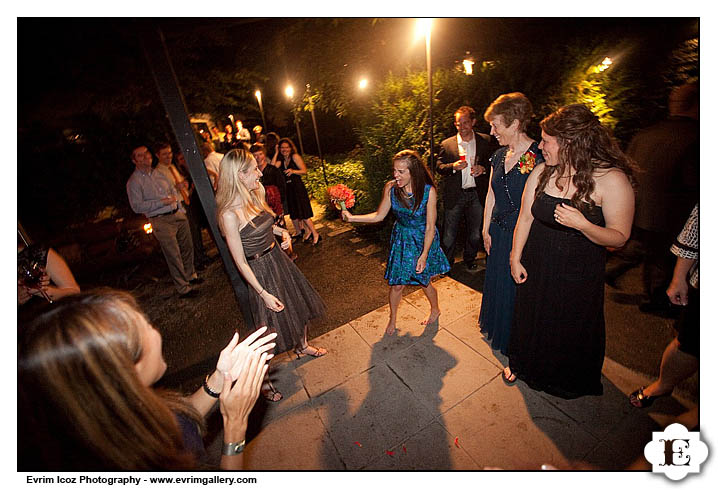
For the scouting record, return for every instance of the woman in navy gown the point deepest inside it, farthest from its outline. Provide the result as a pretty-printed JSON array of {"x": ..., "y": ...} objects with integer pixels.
[
  {"x": 508, "y": 115},
  {"x": 415, "y": 255},
  {"x": 574, "y": 206}
]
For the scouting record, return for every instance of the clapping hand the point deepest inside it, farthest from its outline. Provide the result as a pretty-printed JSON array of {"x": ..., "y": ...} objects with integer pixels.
[{"x": 235, "y": 356}]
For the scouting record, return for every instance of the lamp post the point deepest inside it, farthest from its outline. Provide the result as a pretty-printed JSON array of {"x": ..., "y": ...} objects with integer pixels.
[
  {"x": 289, "y": 91},
  {"x": 316, "y": 134},
  {"x": 423, "y": 27},
  {"x": 258, "y": 95}
]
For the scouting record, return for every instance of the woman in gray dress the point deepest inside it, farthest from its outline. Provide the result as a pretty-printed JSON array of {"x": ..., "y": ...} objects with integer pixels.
[{"x": 280, "y": 297}]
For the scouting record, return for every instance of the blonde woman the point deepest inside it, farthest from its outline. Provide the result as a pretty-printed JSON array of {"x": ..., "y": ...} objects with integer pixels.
[
  {"x": 280, "y": 297},
  {"x": 85, "y": 397}
]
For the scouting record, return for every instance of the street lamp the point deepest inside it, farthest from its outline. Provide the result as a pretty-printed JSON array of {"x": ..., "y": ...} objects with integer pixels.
[
  {"x": 258, "y": 95},
  {"x": 363, "y": 83},
  {"x": 316, "y": 133},
  {"x": 468, "y": 67},
  {"x": 423, "y": 28},
  {"x": 289, "y": 91}
]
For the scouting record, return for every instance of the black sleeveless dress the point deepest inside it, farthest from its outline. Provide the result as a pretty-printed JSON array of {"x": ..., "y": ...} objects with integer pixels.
[
  {"x": 558, "y": 337},
  {"x": 281, "y": 278},
  {"x": 297, "y": 197}
]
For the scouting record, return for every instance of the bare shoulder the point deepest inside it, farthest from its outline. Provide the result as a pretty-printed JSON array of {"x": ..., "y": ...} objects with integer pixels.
[
  {"x": 536, "y": 172},
  {"x": 231, "y": 220},
  {"x": 611, "y": 177}
]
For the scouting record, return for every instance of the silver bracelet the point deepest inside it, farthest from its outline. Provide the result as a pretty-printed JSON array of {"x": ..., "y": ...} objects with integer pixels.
[{"x": 232, "y": 448}]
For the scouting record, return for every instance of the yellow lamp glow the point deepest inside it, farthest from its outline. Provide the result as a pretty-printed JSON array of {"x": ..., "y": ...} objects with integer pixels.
[
  {"x": 289, "y": 91},
  {"x": 468, "y": 67},
  {"x": 363, "y": 83},
  {"x": 423, "y": 28}
]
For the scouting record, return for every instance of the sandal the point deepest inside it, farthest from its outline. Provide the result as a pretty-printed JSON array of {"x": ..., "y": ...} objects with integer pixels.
[
  {"x": 639, "y": 400},
  {"x": 270, "y": 393},
  {"x": 310, "y": 351},
  {"x": 507, "y": 380}
]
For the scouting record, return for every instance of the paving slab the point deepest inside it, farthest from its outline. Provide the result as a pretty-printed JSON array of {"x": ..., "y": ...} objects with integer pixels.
[
  {"x": 467, "y": 330},
  {"x": 455, "y": 300},
  {"x": 442, "y": 370},
  {"x": 432, "y": 448},
  {"x": 369, "y": 250},
  {"x": 598, "y": 415},
  {"x": 348, "y": 356},
  {"x": 285, "y": 378},
  {"x": 374, "y": 409},
  {"x": 515, "y": 429},
  {"x": 409, "y": 330},
  {"x": 339, "y": 231},
  {"x": 296, "y": 441}
]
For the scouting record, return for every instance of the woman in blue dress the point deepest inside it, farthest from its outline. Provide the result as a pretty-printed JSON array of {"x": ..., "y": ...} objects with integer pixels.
[
  {"x": 415, "y": 255},
  {"x": 508, "y": 115}
]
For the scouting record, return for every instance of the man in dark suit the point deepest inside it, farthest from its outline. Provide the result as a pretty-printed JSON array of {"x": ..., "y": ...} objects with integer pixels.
[{"x": 464, "y": 164}]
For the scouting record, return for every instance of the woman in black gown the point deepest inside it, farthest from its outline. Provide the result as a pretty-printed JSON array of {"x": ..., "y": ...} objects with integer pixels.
[{"x": 574, "y": 206}]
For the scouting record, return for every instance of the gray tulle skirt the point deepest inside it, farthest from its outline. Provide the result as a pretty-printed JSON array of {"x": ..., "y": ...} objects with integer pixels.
[{"x": 282, "y": 278}]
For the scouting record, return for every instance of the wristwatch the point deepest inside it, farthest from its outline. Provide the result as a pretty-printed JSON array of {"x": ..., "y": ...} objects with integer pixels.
[{"x": 232, "y": 448}]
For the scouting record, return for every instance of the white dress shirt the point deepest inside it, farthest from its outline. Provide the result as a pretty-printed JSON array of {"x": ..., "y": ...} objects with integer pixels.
[{"x": 467, "y": 148}]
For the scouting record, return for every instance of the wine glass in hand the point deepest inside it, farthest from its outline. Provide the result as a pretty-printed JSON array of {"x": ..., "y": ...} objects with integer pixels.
[{"x": 30, "y": 275}]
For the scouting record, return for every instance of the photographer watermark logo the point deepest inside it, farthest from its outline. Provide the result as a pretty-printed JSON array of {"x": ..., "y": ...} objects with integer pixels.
[{"x": 676, "y": 452}]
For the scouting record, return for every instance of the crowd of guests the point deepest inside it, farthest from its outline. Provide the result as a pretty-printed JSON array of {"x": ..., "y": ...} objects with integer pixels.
[{"x": 545, "y": 212}]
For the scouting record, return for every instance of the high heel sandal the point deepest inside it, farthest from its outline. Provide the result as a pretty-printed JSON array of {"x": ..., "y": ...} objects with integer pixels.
[
  {"x": 270, "y": 393},
  {"x": 318, "y": 240},
  {"x": 507, "y": 379},
  {"x": 310, "y": 351},
  {"x": 639, "y": 400},
  {"x": 307, "y": 238}
]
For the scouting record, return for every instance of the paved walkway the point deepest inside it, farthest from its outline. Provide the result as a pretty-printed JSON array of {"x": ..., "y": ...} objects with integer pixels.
[{"x": 432, "y": 398}]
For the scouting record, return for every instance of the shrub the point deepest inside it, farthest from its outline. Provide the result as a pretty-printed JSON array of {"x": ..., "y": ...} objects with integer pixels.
[{"x": 340, "y": 169}]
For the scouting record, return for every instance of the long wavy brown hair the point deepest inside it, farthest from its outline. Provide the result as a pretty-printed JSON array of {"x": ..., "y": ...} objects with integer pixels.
[
  {"x": 584, "y": 147},
  {"x": 81, "y": 404},
  {"x": 420, "y": 176}
]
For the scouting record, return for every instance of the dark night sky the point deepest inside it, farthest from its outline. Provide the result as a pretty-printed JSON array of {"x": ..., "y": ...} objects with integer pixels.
[{"x": 61, "y": 62}]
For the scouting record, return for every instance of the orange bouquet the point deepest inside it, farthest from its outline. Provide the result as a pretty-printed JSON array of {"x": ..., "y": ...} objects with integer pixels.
[{"x": 341, "y": 196}]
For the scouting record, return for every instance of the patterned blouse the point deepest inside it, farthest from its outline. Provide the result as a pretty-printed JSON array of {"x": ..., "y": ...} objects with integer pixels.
[{"x": 686, "y": 245}]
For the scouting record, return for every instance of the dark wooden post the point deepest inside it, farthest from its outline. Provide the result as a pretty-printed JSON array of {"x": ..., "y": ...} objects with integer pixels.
[{"x": 160, "y": 65}]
